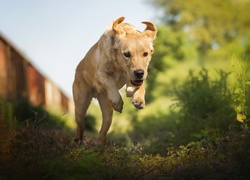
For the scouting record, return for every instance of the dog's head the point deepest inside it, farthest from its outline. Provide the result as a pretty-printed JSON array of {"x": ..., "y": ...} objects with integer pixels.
[{"x": 134, "y": 49}]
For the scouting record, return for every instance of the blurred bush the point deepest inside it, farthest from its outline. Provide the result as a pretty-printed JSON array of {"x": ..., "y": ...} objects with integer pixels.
[
  {"x": 90, "y": 123},
  {"x": 202, "y": 108},
  {"x": 21, "y": 111},
  {"x": 205, "y": 104}
]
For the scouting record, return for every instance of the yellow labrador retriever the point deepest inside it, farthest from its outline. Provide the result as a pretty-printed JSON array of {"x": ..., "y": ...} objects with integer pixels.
[{"x": 121, "y": 56}]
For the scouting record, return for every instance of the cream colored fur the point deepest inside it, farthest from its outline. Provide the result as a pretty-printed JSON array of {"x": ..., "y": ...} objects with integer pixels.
[{"x": 121, "y": 56}]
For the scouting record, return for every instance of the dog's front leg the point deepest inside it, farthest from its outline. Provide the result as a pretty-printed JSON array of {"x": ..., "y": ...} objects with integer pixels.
[
  {"x": 115, "y": 99},
  {"x": 138, "y": 97},
  {"x": 113, "y": 94}
]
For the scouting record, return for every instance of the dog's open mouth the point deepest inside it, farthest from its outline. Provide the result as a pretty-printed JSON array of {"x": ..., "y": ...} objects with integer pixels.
[{"x": 137, "y": 82}]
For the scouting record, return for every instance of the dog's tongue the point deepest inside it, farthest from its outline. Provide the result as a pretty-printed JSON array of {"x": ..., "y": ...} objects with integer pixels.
[{"x": 137, "y": 82}]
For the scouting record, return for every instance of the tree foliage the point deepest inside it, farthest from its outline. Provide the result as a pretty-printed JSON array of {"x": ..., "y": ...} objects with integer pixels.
[
  {"x": 200, "y": 31},
  {"x": 210, "y": 23},
  {"x": 170, "y": 48}
]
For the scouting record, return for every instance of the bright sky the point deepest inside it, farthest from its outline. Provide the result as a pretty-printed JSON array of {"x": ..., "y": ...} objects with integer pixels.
[{"x": 56, "y": 34}]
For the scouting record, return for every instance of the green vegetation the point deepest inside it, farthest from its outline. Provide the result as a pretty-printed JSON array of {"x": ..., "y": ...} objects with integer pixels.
[
  {"x": 195, "y": 124},
  {"x": 40, "y": 151},
  {"x": 21, "y": 111},
  {"x": 240, "y": 91}
]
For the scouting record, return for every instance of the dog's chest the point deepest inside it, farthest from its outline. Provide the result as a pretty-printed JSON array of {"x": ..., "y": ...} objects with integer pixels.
[{"x": 118, "y": 76}]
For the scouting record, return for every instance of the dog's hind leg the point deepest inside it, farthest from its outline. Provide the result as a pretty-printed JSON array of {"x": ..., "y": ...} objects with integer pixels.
[
  {"x": 107, "y": 113},
  {"x": 82, "y": 100}
]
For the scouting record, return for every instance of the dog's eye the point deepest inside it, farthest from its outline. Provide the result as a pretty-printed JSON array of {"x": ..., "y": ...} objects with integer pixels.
[
  {"x": 145, "y": 54},
  {"x": 127, "y": 54}
]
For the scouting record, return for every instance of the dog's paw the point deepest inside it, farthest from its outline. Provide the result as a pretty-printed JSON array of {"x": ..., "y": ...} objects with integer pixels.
[
  {"x": 118, "y": 106},
  {"x": 138, "y": 103}
]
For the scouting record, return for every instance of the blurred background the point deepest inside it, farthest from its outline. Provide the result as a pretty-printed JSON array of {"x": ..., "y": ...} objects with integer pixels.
[{"x": 198, "y": 78}]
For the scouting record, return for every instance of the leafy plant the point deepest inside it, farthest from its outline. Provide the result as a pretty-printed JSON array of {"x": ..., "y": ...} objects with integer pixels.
[
  {"x": 240, "y": 89},
  {"x": 205, "y": 104},
  {"x": 6, "y": 111}
]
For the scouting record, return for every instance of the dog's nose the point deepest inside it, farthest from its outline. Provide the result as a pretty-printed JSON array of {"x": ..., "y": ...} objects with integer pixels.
[{"x": 139, "y": 73}]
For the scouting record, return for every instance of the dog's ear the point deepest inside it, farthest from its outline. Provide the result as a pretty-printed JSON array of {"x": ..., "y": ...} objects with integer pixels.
[
  {"x": 116, "y": 23},
  {"x": 150, "y": 30}
]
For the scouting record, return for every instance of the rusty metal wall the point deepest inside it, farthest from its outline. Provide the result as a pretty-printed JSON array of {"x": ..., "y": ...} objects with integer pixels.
[
  {"x": 20, "y": 79},
  {"x": 13, "y": 76},
  {"x": 3, "y": 71},
  {"x": 36, "y": 86}
]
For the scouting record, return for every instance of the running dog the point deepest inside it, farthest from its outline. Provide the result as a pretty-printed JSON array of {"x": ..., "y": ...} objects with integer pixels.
[{"x": 121, "y": 56}]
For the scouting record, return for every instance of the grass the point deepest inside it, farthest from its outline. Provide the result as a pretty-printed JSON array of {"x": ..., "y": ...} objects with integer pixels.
[{"x": 46, "y": 152}]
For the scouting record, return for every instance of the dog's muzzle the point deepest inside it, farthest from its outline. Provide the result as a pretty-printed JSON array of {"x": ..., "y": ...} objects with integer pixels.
[{"x": 139, "y": 73}]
